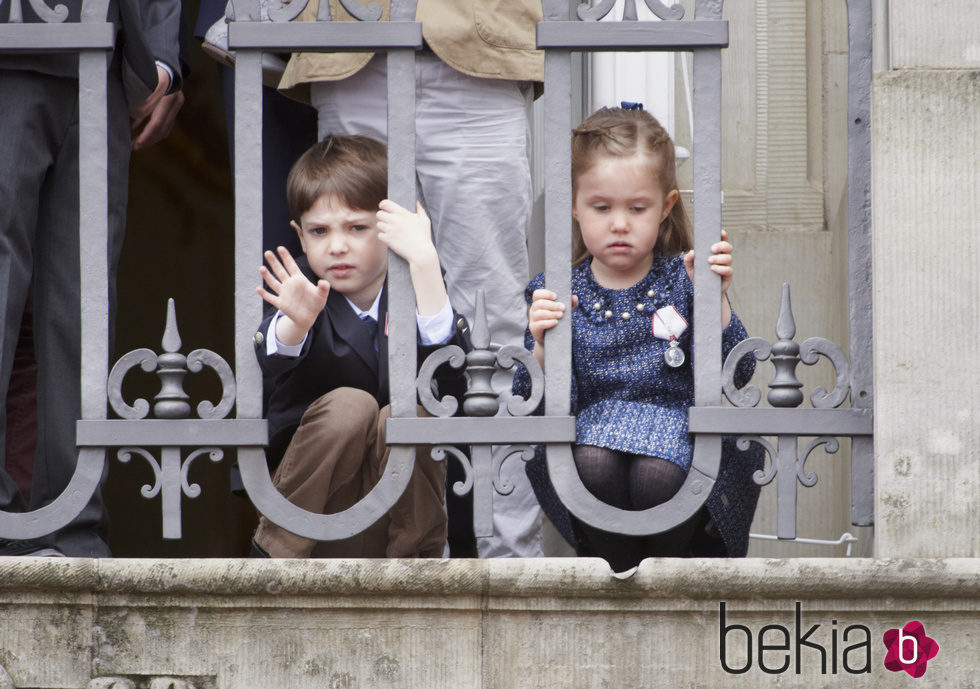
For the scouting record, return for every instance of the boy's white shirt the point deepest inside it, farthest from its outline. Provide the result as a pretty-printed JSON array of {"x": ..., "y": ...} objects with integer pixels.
[{"x": 433, "y": 330}]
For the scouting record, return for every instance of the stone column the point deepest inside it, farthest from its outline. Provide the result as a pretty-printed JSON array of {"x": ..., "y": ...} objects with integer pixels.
[{"x": 926, "y": 208}]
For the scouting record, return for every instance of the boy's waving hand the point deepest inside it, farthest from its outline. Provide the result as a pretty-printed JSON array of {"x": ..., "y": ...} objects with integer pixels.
[{"x": 293, "y": 294}]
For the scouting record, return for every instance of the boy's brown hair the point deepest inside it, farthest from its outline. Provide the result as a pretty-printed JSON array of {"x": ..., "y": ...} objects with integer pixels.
[
  {"x": 617, "y": 132},
  {"x": 352, "y": 169}
]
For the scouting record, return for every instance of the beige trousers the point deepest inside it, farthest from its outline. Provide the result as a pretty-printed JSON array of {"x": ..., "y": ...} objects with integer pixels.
[{"x": 336, "y": 456}]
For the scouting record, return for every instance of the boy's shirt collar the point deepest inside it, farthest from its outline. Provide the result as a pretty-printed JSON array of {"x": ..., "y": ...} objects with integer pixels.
[{"x": 373, "y": 311}]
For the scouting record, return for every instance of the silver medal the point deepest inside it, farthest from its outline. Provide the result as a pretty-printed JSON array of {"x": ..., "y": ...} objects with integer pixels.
[
  {"x": 674, "y": 355},
  {"x": 668, "y": 324}
]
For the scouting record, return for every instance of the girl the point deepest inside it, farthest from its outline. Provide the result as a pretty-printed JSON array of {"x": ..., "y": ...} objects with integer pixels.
[{"x": 632, "y": 383}]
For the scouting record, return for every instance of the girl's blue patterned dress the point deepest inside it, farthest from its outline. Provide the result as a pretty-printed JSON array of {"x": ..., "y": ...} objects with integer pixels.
[{"x": 625, "y": 397}]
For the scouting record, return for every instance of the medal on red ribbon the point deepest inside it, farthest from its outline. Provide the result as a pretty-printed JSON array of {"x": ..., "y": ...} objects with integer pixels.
[{"x": 668, "y": 325}]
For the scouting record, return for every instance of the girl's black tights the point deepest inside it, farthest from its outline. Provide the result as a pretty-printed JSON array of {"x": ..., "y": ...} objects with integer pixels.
[{"x": 631, "y": 482}]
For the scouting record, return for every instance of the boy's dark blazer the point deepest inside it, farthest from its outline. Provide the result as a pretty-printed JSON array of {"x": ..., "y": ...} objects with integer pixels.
[{"x": 338, "y": 352}]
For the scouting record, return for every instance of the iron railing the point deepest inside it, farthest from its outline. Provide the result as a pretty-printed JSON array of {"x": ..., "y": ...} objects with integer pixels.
[{"x": 492, "y": 439}]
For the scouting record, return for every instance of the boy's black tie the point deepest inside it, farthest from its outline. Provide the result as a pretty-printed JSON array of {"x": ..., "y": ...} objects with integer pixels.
[{"x": 372, "y": 328}]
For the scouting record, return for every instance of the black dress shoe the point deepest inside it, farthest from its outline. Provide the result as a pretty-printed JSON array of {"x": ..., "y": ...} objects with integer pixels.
[
  {"x": 257, "y": 550},
  {"x": 28, "y": 548}
]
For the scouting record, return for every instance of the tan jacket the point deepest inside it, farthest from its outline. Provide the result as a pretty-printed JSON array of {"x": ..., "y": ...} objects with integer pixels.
[{"x": 483, "y": 38}]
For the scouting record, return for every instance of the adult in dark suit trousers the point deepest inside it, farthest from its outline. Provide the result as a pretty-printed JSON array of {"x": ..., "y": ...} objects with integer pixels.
[
  {"x": 288, "y": 129},
  {"x": 39, "y": 225}
]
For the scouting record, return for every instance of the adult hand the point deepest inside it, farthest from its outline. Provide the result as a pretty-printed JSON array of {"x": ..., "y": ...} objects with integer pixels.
[
  {"x": 153, "y": 119},
  {"x": 292, "y": 293}
]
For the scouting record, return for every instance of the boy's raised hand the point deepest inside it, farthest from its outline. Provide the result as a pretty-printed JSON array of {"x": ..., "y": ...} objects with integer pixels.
[
  {"x": 410, "y": 236},
  {"x": 720, "y": 260},
  {"x": 407, "y": 234},
  {"x": 292, "y": 293}
]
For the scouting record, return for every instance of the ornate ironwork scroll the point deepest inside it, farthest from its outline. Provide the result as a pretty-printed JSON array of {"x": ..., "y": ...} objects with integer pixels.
[
  {"x": 786, "y": 420},
  {"x": 603, "y": 8},
  {"x": 45, "y": 13},
  {"x": 706, "y": 32},
  {"x": 171, "y": 406},
  {"x": 266, "y": 25},
  {"x": 288, "y": 10},
  {"x": 481, "y": 428}
]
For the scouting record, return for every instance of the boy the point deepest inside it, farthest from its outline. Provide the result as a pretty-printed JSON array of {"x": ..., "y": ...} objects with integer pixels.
[{"x": 321, "y": 347}]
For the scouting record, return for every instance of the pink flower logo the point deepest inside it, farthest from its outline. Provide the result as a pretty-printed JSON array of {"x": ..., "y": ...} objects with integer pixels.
[{"x": 909, "y": 649}]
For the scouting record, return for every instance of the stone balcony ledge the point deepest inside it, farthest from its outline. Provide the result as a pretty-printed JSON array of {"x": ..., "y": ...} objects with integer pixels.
[
  {"x": 483, "y": 624},
  {"x": 559, "y": 578}
]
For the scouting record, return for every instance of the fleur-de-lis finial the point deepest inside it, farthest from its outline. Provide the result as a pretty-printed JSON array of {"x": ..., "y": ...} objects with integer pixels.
[
  {"x": 480, "y": 399},
  {"x": 784, "y": 390},
  {"x": 171, "y": 402},
  {"x": 171, "y": 366},
  {"x": 171, "y": 336}
]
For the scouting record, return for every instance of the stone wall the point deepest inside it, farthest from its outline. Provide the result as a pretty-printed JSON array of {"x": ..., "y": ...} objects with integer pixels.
[
  {"x": 926, "y": 207},
  {"x": 502, "y": 624}
]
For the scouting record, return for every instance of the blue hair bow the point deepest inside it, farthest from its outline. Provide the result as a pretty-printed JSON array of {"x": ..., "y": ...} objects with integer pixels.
[{"x": 626, "y": 105}]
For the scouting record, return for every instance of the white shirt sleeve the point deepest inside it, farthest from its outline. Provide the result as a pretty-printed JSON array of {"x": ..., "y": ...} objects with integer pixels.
[
  {"x": 437, "y": 329},
  {"x": 434, "y": 330},
  {"x": 274, "y": 346},
  {"x": 169, "y": 70}
]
